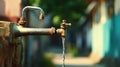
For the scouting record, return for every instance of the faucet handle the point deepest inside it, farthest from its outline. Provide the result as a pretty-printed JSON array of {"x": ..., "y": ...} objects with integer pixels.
[{"x": 64, "y": 24}]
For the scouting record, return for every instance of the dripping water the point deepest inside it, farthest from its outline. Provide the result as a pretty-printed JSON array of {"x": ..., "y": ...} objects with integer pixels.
[{"x": 63, "y": 53}]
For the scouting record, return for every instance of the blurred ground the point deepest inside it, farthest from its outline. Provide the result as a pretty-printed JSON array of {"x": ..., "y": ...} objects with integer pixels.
[{"x": 72, "y": 61}]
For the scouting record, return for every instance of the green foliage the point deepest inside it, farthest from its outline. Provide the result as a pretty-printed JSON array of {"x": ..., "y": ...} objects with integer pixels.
[
  {"x": 71, "y": 10},
  {"x": 73, "y": 51},
  {"x": 47, "y": 61},
  {"x": 56, "y": 20},
  {"x": 34, "y": 2}
]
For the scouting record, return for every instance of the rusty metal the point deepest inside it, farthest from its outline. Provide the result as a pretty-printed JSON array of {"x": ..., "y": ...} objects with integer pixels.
[
  {"x": 9, "y": 53},
  {"x": 21, "y": 21},
  {"x": 5, "y": 25}
]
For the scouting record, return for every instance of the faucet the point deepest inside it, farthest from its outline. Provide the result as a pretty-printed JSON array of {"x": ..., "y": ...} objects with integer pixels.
[
  {"x": 63, "y": 27},
  {"x": 18, "y": 29}
]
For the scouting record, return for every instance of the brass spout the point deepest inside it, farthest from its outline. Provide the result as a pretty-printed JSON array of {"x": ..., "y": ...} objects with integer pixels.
[
  {"x": 61, "y": 32},
  {"x": 62, "y": 29}
]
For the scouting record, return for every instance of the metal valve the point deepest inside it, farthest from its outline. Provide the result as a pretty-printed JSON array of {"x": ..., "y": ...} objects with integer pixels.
[
  {"x": 62, "y": 29},
  {"x": 64, "y": 24}
]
